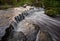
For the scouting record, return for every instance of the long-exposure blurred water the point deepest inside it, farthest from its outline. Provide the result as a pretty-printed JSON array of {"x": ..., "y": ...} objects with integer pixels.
[
  {"x": 37, "y": 16},
  {"x": 45, "y": 22}
]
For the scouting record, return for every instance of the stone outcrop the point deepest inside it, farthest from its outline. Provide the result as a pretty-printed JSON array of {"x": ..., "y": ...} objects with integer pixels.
[{"x": 7, "y": 33}]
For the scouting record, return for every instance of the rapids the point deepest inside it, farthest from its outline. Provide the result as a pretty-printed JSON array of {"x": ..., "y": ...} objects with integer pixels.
[
  {"x": 45, "y": 22},
  {"x": 29, "y": 23}
]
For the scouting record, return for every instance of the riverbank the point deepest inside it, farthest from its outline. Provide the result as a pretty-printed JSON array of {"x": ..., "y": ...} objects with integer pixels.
[{"x": 2, "y": 7}]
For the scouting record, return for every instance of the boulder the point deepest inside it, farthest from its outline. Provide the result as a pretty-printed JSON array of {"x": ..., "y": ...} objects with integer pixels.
[{"x": 7, "y": 33}]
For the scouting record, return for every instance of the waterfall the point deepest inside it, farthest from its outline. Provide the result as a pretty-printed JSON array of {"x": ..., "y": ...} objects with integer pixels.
[
  {"x": 29, "y": 24},
  {"x": 45, "y": 22}
]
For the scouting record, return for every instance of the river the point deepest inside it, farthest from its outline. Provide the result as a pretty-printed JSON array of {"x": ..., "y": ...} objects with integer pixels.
[{"x": 34, "y": 16}]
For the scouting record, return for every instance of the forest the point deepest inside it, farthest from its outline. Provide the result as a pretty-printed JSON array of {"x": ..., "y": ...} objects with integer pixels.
[{"x": 52, "y": 7}]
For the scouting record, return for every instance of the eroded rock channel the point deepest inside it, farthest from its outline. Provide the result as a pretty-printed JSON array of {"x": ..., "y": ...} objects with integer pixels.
[{"x": 31, "y": 25}]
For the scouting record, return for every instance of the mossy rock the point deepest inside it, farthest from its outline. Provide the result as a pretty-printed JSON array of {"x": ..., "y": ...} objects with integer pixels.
[{"x": 52, "y": 12}]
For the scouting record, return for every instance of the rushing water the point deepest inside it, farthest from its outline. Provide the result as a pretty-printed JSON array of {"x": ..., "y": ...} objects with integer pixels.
[
  {"x": 45, "y": 22},
  {"x": 35, "y": 16}
]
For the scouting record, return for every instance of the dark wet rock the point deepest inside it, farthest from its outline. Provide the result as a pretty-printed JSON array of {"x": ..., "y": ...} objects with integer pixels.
[
  {"x": 17, "y": 36},
  {"x": 19, "y": 18},
  {"x": 22, "y": 17},
  {"x": 7, "y": 33},
  {"x": 25, "y": 13},
  {"x": 16, "y": 19}
]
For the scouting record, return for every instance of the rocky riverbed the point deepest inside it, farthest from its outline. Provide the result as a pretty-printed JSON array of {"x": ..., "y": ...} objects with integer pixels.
[
  {"x": 7, "y": 17},
  {"x": 23, "y": 24}
]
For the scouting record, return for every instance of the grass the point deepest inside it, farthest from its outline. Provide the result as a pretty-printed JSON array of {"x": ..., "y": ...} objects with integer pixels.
[{"x": 5, "y": 6}]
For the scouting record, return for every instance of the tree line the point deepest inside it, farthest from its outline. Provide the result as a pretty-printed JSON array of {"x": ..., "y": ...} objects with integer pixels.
[{"x": 52, "y": 6}]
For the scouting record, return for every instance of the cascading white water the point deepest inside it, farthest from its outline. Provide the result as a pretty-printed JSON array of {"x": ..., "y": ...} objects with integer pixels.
[
  {"x": 45, "y": 22},
  {"x": 27, "y": 20}
]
